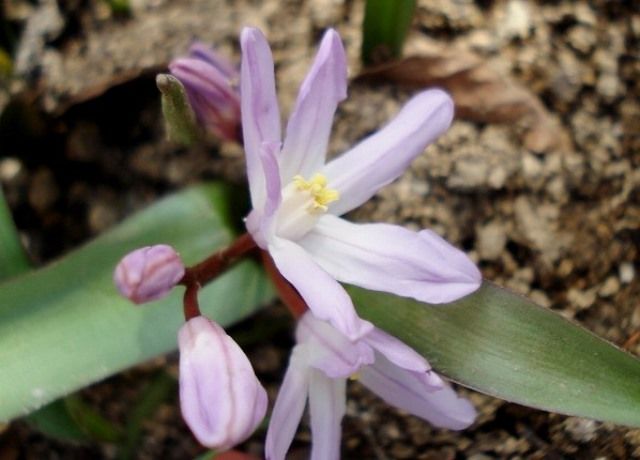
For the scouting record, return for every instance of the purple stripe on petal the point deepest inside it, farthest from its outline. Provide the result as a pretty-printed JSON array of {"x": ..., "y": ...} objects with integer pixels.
[
  {"x": 330, "y": 351},
  {"x": 396, "y": 351},
  {"x": 379, "y": 159},
  {"x": 221, "y": 399},
  {"x": 259, "y": 107},
  {"x": 310, "y": 123},
  {"x": 273, "y": 195},
  {"x": 410, "y": 392},
  {"x": 199, "y": 50},
  {"x": 268, "y": 151},
  {"x": 199, "y": 76},
  {"x": 390, "y": 258},
  {"x": 288, "y": 407},
  {"x": 148, "y": 273},
  {"x": 327, "y": 406},
  {"x": 215, "y": 102}
]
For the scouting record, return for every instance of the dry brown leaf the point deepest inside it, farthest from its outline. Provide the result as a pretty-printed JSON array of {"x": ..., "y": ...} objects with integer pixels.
[{"x": 481, "y": 93}]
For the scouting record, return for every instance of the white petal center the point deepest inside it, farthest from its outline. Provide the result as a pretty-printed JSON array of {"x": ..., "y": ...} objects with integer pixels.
[{"x": 303, "y": 202}]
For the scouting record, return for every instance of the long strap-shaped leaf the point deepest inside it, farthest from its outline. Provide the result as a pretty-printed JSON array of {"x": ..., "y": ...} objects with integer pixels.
[
  {"x": 13, "y": 260},
  {"x": 504, "y": 345},
  {"x": 64, "y": 326}
]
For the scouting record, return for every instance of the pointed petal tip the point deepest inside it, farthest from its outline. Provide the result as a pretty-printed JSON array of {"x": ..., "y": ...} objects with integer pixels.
[
  {"x": 336, "y": 52},
  {"x": 440, "y": 100},
  {"x": 251, "y": 34},
  {"x": 247, "y": 31},
  {"x": 466, "y": 415},
  {"x": 357, "y": 330}
]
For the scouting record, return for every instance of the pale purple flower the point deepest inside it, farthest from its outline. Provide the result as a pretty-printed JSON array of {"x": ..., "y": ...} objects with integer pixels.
[
  {"x": 297, "y": 198},
  {"x": 320, "y": 365},
  {"x": 221, "y": 398},
  {"x": 210, "y": 82},
  {"x": 148, "y": 273}
]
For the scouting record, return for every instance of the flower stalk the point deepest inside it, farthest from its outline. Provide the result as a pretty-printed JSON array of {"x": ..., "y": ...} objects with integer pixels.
[
  {"x": 210, "y": 268},
  {"x": 287, "y": 293}
]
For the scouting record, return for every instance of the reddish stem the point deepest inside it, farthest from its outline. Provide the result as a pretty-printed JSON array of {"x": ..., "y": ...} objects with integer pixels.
[
  {"x": 191, "y": 306},
  {"x": 209, "y": 269},
  {"x": 290, "y": 297}
]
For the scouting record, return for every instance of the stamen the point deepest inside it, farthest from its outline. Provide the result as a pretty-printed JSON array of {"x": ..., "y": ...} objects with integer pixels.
[{"x": 317, "y": 188}]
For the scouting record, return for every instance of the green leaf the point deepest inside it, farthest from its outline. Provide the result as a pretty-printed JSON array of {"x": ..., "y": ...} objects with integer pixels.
[
  {"x": 72, "y": 420},
  {"x": 385, "y": 27},
  {"x": 6, "y": 66},
  {"x": 13, "y": 260},
  {"x": 90, "y": 421},
  {"x": 159, "y": 390},
  {"x": 504, "y": 345},
  {"x": 55, "y": 421},
  {"x": 64, "y": 327}
]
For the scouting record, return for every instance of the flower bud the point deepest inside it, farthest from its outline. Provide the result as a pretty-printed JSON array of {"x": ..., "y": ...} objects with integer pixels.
[
  {"x": 221, "y": 398},
  {"x": 211, "y": 85},
  {"x": 148, "y": 273}
]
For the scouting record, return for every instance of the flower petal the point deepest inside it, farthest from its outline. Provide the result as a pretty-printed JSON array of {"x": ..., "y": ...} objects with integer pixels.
[
  {"x": 398, "y": 352},
  {"x": 215, "y": 102},
  {"x": 200, "y": 78},
  {"x": 221, "y": 399},
  {"x": 269, "y": 162},
  {"x": 260, "y": 222},
  {"x": 327, "y": 406},
  {"x": 329, "y": 350},
  {"x": 309, "y": 126},
  {"x": 199, "y": 50},
  {"x": 379, "y": 159},
  {"x": 323, "y": 294},
  {"x": 259, "y": 106},
  {"x": 408, "y": 391},
  {"x": 289, "y": 406},
  {"x": 393, "y": 259},
  {"x": 148, "y": 273}
]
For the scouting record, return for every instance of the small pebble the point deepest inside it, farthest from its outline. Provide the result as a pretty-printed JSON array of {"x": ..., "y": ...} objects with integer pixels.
[
  {"x": 9, "y": 169},
  {"x": 609, "y": 287},
  {"x": 627, "y": 272}
]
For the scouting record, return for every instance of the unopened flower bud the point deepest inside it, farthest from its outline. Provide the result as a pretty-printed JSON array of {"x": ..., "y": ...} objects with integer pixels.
[
  {"x": 221, "y": 398},
  {"x": 211, "y": 85},
  {"x": 148, "y": 273}
]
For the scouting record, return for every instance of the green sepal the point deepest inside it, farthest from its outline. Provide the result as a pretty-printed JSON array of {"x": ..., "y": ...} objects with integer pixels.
[{"x": 180, "y": 120}]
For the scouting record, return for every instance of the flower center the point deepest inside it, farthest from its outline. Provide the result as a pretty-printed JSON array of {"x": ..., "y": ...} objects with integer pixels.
[
  {"x": 317, "y": 187},
  {"x": 303, "y": 202}
]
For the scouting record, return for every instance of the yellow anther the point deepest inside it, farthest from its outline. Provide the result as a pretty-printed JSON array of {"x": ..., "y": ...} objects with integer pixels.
[
  {"x": 355, "y": 376},
  {"x": 317, "y": 188}
]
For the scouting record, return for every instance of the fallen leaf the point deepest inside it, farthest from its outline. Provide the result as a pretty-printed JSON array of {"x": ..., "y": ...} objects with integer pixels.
[{"x": 481, "y": 92}]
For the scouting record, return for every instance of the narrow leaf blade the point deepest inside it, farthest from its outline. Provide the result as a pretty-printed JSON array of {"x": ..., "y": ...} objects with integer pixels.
[
  {"x": 504, "y": 345},
  {"x": 55, "y": 421},
  {"x": 64, "y": 326},
  {"x": 385, "y": 27},
  {"x": 13, "y": 259}
]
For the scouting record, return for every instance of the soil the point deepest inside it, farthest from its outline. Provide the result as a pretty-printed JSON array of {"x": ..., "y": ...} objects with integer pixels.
[{"x": 538, "y": 179}]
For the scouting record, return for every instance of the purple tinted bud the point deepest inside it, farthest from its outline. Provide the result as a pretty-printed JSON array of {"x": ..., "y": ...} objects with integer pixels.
[
  {"x": 211, "y": 85},
  {"x": 148, "y": 273},
  {"x": 221, "y": 398},
  {"x": 199, "y": 50}
]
